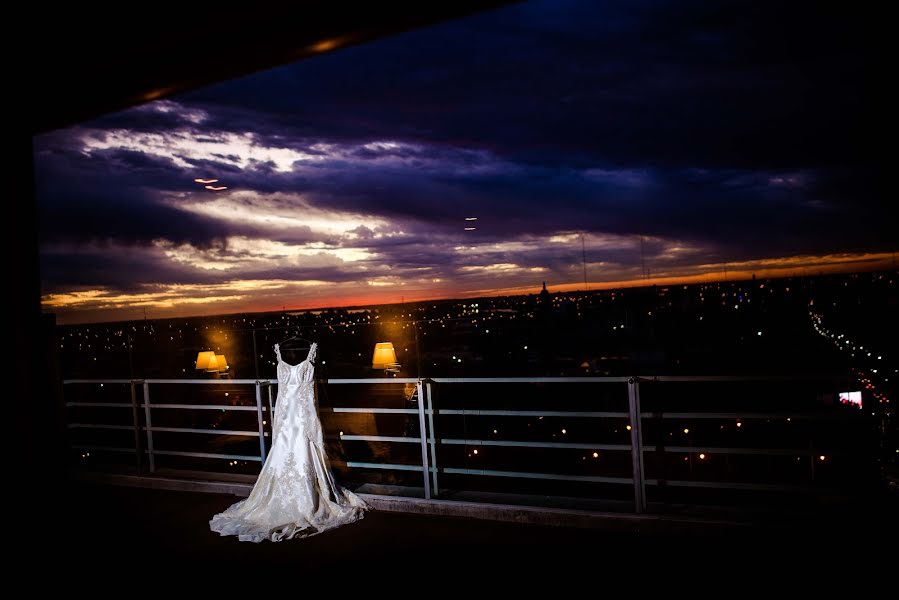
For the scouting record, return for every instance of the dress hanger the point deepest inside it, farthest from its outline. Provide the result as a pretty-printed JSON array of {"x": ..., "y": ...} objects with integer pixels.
[
  {"x": 294, "y": 338},
  {"x": 309, "y": 346}
]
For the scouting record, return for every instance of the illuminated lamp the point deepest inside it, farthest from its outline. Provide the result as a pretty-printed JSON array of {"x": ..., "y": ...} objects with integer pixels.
[
  {"x": 384, "y": 356},
  {"x": 203, "y": 359},
  {"x": 221, "y": 363},
  {"x": 213, "y": 365}
]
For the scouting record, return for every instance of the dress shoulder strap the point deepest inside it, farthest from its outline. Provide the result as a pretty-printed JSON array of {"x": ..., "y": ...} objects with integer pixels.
[
  {"x": 313, "y": 348},
  {"x": 278, "y": 351}
]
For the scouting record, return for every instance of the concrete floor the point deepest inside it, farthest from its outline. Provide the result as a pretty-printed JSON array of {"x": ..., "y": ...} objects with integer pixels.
[{"x": 157, "y": 532}]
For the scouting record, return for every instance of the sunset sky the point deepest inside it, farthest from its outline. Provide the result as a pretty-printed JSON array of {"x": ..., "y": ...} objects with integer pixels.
[{"x": 724, "y": 136}]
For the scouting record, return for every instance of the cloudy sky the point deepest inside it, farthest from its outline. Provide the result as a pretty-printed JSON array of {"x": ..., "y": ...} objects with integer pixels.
[{"x": 720, "y": 135}]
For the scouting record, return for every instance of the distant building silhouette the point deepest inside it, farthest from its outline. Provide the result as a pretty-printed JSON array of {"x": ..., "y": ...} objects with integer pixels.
[{"x": 544, "y": 299}]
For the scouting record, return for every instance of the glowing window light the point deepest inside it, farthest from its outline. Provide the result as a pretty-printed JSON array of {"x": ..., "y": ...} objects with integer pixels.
[
  {"x": 822, "y": 458},
  {"x": 596, "y": 455},
  {"x": 686, "y": 430},
  {"x": 702, "y": 457},
  {"x": 629, "y": 427},
  {"x": 475, "y": 450}
]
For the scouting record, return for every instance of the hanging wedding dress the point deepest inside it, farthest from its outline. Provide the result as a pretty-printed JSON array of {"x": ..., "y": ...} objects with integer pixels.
[{"x": 295, "y": 494}]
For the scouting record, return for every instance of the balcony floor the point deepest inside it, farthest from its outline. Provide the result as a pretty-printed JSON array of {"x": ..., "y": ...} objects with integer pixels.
[{"x": 114, "y": 526}]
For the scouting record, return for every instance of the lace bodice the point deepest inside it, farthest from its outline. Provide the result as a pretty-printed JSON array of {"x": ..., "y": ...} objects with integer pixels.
[{"x": 303, "y": 372}]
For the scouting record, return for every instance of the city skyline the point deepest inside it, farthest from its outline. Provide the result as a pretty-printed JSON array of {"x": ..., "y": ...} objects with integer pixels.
[{"x": 617, "y": 146}]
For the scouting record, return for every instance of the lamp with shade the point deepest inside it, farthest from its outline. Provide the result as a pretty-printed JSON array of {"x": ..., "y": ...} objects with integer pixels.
[
  {"x": 221, "y": 363},
  {"x": 211, "y": 362},
  {"x": 203, "y": 359},
  {"x": 384, "y": 357}
]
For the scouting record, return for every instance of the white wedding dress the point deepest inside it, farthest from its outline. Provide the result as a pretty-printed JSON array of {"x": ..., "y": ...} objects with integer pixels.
[{"x": 295, "y": 494}]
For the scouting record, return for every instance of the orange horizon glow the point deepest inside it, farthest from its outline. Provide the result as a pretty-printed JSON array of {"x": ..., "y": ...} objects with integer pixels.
[{"x": 68, "y": 314}]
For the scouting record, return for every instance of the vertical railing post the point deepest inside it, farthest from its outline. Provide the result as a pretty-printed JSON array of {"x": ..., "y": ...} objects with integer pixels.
[
  {"x": 633, "y": 397},
  {"x": 135, "y": 418},
  {"x": 149, "y": 426},
  {"x": 259, "y": 420},
  {"x": 255, "y": 356},
  {"x": 432, "y": 435},
  {"x": 271, "y": 411},
  {"x": 811, "y": 459},
  {"x": 426, "y": 471}
]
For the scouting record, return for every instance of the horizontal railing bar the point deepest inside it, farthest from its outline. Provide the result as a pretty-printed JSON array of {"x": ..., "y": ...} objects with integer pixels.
[
  {"x": 528, "y": 475},
  {"x": 381, "y": 438},
  {"x": 528, "y": 379},
  {"x": 401, "y": 411},
  {"x": 172, "y": 381},
  {"x": 208, "y": 455},
  {"x": 375, "y": 380},
  {"x": 719, "y": 450},
  {"x": 530, "y": 413},
  {"x": 202, "y": 381},
  {"x": 366, "y": 465},
  {"x": 518, "y": 444},
  {"x": 207, "y": 431},
  {"x": 68, "y": 381},
  {"x": 237, "y": 407},
  {"x": 388, "y": 380},
  {"x": 673, "y": 378},
  {"x": 107, "y": 448},
  {"x": 497, "y": 413},
  {"x": 97, "y": 426},
  {"x": 733, "y": 485},
  {"x": 737, "y": 416}
]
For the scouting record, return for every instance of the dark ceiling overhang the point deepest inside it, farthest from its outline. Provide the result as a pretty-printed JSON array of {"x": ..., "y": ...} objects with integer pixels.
[{"x": 87, "y": 61}]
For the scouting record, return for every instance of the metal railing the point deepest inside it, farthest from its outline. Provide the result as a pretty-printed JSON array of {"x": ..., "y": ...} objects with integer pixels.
[{"x": 429, "y": 440}]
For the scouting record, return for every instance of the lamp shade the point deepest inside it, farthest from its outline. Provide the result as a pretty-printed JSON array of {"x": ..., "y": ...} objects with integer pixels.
[
  {"x": 213, "y": 365},
  {"x": 383, "y": 356},
  {"x": 221, "y": 363},
  {"x": 203, "y": 359}
]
